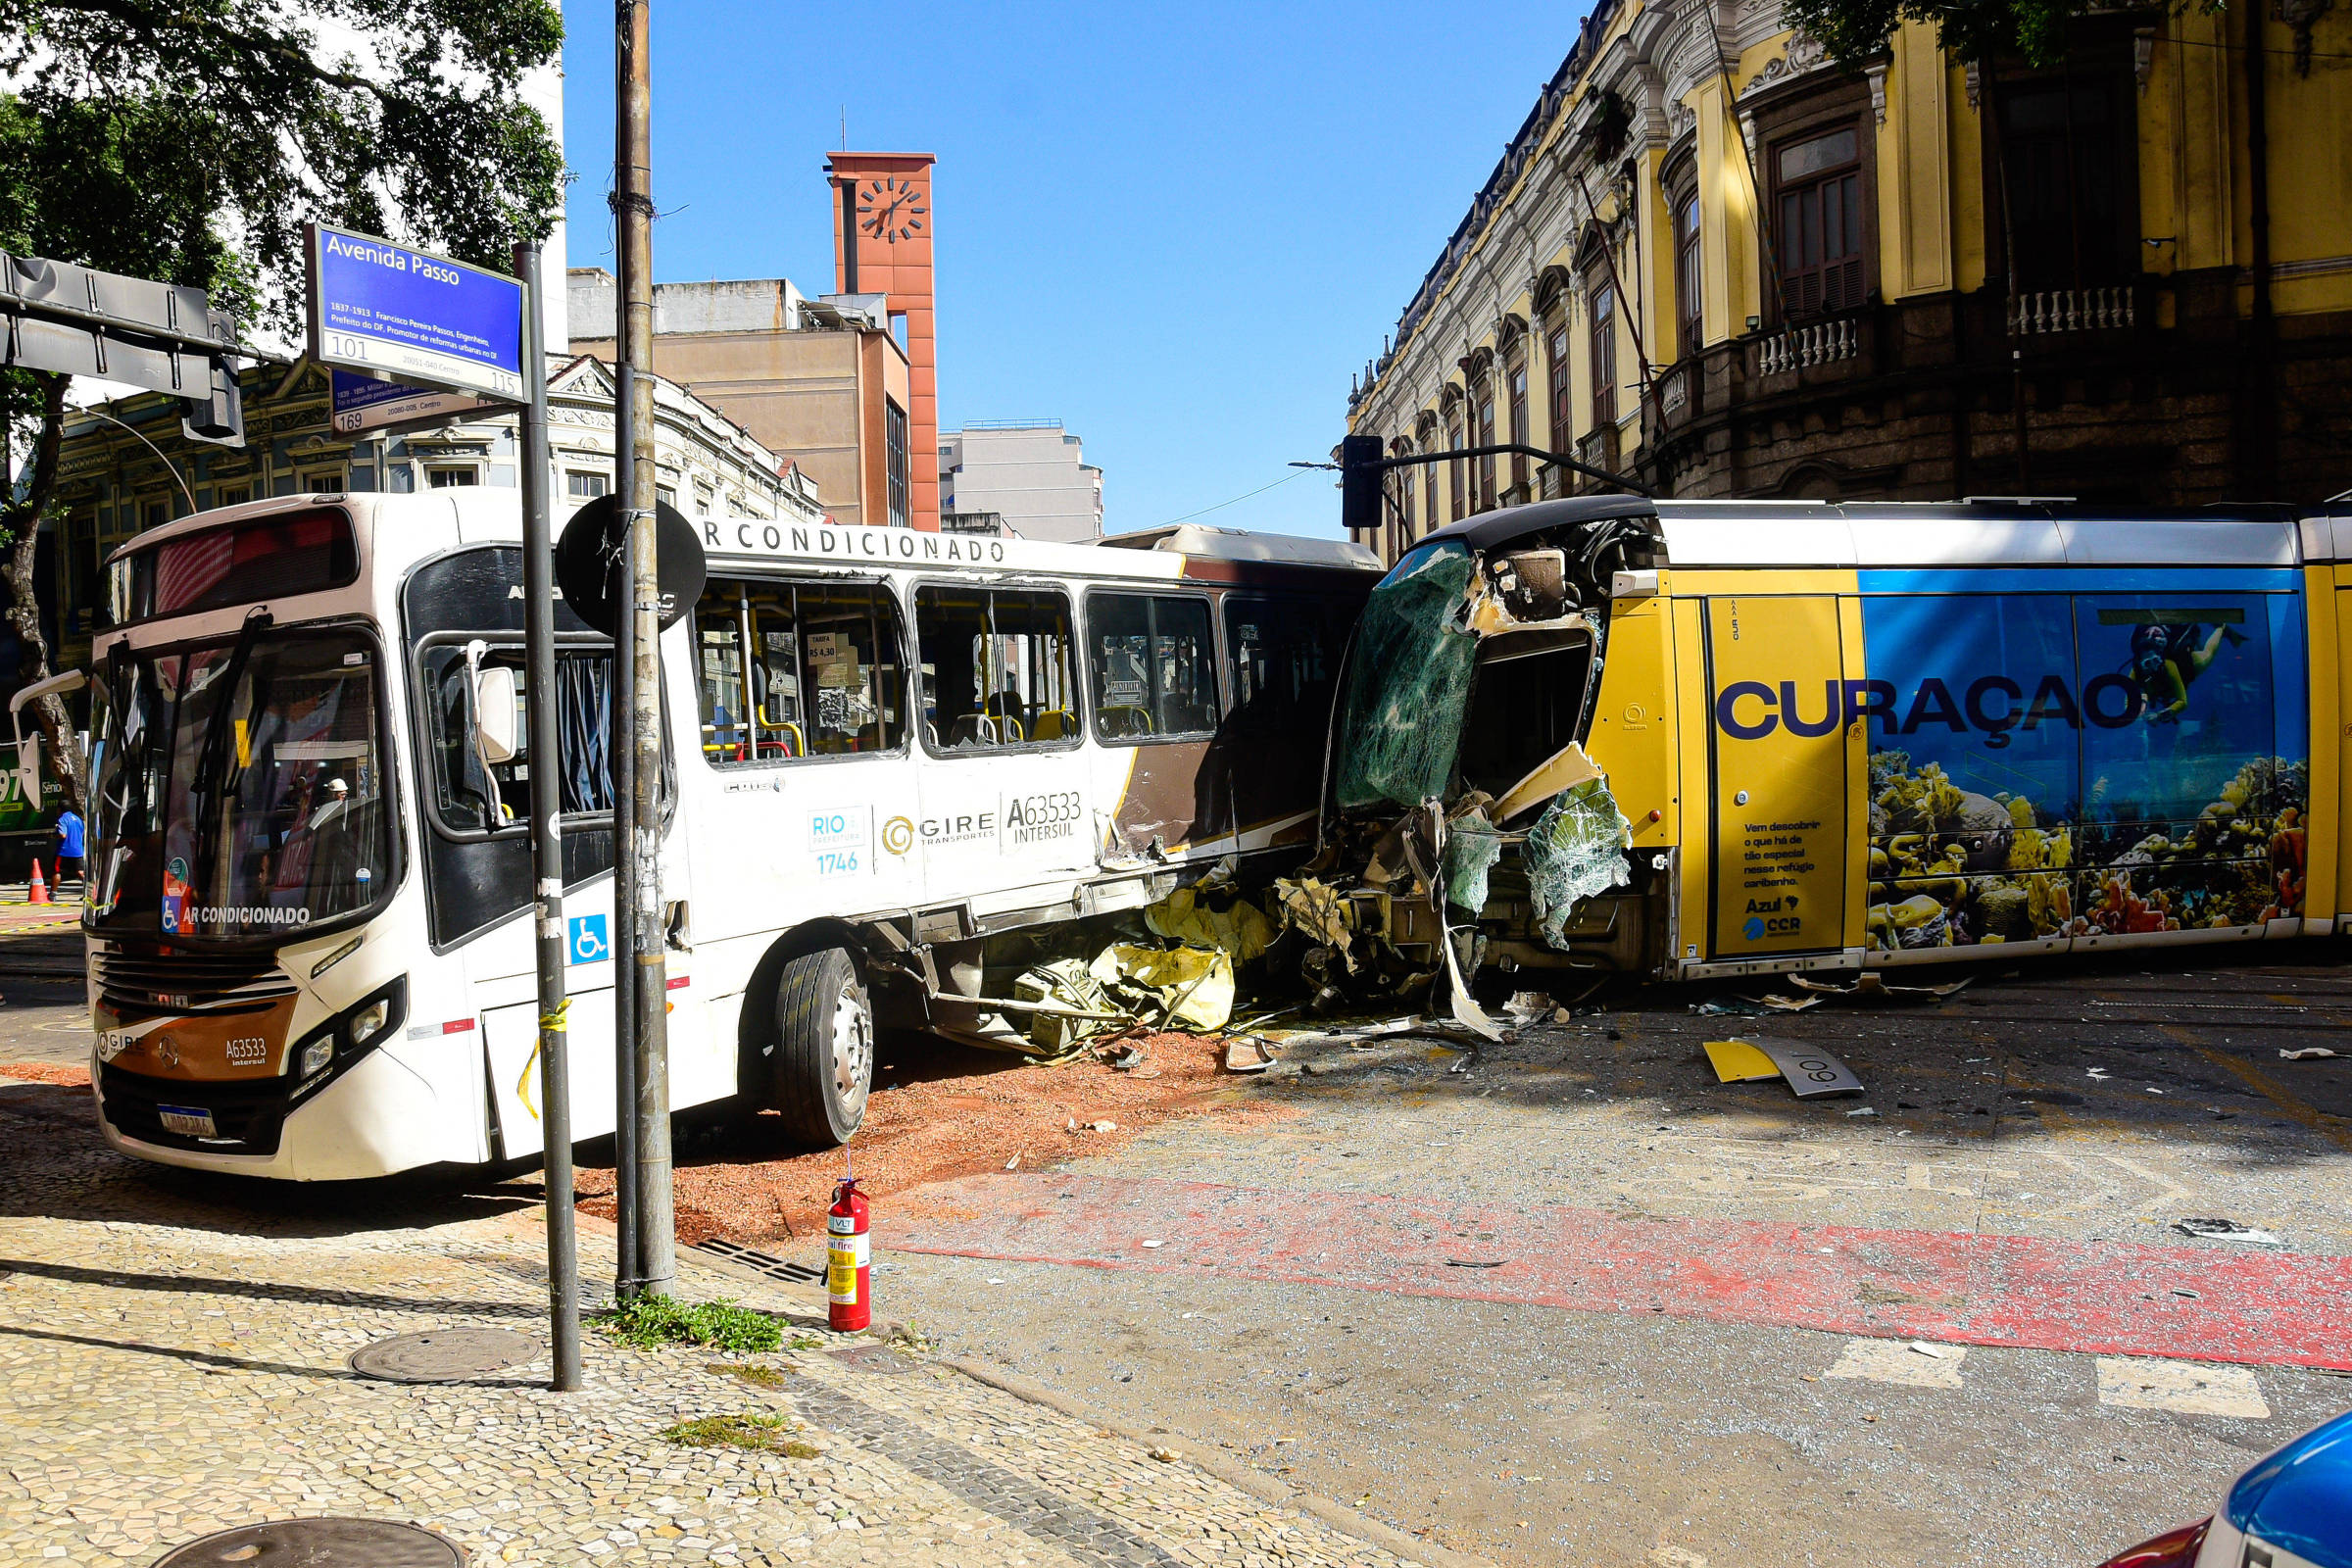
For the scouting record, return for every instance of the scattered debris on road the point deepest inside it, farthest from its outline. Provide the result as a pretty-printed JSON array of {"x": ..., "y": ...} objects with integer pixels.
[
  {"x": 2227, "y": 1230},
  {"x": 2308, "y": 1053},
  {"x": 1810, "y": 1072}
]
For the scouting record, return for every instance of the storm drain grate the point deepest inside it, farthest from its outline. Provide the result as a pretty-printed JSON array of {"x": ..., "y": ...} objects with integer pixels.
[
  {"x": 775, "y": 1268},
  {"x": 320, "y": 1543},
  {"x": 444, "y": 1355}
]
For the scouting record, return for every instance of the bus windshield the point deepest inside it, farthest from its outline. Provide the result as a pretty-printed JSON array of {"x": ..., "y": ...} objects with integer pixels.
[
  {"x": 241, "y": 788},
  {"x": 1399, "y": 731}
]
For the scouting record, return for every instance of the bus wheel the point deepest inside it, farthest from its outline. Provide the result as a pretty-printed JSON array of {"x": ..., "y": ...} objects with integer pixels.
[{"x": 825, "y": 1047}]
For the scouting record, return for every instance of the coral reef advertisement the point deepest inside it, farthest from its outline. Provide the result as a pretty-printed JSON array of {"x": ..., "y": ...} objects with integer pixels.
[{"x": 2050, "y": 765}]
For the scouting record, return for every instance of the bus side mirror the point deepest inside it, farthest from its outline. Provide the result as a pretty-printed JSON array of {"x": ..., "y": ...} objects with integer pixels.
[
  {"x": 29, "y": 757},
  {"x": 496, "y": 713}
]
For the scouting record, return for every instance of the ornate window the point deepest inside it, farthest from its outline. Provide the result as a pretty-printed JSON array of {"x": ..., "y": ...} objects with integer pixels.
[
  {"x": 2067, "y": 150},
  {"x": 1605, "y": 354},
  {"x": 1514, "y": 381},
  {"x": 1458, "y": 476},
  {"x": 1819, "y": 186},
  {"x": 1482, "y": 402},
  {"x": 1555, "y": 366},
  {"x": 1687, "y": 299}
]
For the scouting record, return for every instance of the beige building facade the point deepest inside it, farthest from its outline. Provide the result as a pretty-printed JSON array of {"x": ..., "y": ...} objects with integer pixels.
[{"x": 820, "y": 381}]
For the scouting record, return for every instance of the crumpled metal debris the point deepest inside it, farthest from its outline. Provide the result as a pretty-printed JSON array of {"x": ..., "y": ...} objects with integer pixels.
[
  {"x": 1066, "y": 983},
  {"x": 1184, "y": 988},
  {"x": 1212, "y": 914}
]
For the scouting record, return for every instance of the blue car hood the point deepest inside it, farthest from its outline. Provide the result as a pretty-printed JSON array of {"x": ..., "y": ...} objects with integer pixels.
[{"x": 2300, "y": 1498}]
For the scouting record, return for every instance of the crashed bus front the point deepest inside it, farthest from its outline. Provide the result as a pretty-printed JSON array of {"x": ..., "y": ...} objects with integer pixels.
[{"x": 1502, "y": 697}]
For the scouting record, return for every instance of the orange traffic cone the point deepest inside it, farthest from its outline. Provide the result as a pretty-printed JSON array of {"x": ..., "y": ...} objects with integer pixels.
[{"x": 40, "y": 891}]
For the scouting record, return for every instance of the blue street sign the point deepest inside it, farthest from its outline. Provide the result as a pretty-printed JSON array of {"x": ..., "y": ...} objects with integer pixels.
[
  {"x": 424, "y": 318},
  {"x": 590, "y": 942},
  {"x": 362, "y": 403}
]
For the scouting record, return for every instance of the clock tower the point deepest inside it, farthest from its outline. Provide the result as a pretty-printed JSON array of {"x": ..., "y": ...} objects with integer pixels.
[{"x": 882, "y": 245}]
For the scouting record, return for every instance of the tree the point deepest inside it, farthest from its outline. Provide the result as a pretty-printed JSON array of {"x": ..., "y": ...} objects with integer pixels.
[
  {"x": 1978, "y": 31},
  {"x": 189, "y": 141}
]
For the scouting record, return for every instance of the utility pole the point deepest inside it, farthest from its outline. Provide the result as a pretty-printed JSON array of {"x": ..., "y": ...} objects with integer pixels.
[
  {"x": 547, "y": 844},
  {"x": 640, "y": 951},
  {"x": 619, "y": 750}
]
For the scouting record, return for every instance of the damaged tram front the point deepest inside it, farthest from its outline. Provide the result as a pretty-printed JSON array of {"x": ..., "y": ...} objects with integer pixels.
[{"x": 1691, "y": 738}]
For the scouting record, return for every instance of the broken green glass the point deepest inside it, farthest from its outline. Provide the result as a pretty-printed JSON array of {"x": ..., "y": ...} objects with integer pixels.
[
  {"x": 1409, "y": 679},
  {"x": 1472, "y": 846},
  {"x": 1575, "y": 850}
]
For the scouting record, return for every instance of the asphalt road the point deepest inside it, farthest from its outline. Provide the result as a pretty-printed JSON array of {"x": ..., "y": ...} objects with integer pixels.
[
  {"x": 1573, "y": 1301},
  {"x": 1570, "y": 1300}
]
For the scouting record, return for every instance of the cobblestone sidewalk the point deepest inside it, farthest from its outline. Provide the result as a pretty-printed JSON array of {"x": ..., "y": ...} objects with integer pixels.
[{"x": 172, "y": 1363}]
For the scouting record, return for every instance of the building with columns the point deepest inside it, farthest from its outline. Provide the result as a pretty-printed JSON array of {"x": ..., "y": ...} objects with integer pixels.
[{"x": 1714, "y": 262}]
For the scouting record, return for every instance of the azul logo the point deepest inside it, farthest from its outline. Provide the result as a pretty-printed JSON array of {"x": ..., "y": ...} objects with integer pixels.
[
  {"x": 1772, "y": 917},
  {"x": 1995, "y": 705}
]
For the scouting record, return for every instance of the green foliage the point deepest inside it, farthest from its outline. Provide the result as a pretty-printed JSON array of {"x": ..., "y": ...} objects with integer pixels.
[
  {"x": 757, "y": 1374},
  {"x": 765, "y": 1434},
  {"x": 1853, "y": 30},
  {"x": 189, "y": 140},
  {"x": 649, "y": 1322}
]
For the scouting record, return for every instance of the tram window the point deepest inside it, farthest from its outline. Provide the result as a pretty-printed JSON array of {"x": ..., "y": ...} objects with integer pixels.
[
  {"x": 1153, "y": 659},
  {"x": 1284, "y": 659},
  {"x": 998, "y": 670},
  {"x": 471, "y": 795},
  {"x": 1524, "y": 706},
  {"x": 786, "y": 670}
]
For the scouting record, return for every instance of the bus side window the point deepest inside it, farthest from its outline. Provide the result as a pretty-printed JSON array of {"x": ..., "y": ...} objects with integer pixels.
[
  {"x": 793, "y": 669},
  {"x": 999, "y": 669},
  {"x": 1283, "y": 658},
  {"x": 1153, "y": 660}
]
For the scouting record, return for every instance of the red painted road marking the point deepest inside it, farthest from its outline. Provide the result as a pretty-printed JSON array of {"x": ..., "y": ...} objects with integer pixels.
[{"x": 2030, "y": 1291}]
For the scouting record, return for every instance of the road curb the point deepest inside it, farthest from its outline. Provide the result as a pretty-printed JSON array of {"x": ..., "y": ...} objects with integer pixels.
[{"x": 1246, "y": 1478}]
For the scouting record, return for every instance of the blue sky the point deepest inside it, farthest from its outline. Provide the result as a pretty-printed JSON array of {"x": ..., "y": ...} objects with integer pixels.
[{"x": 1179, "y": 229}]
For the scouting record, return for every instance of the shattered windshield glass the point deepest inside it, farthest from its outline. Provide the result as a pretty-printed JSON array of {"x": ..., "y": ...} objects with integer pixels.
[{"x": 1400, "y": 726}]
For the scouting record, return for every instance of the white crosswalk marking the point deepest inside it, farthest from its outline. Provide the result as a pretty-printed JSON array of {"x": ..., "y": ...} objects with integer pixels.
[
  {"x": 1937, "y": 1366},
  {"x": 2184, "y": 1388}
]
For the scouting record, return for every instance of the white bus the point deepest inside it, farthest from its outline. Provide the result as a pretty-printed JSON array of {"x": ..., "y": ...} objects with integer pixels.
[{"x": 309, "y": 956}]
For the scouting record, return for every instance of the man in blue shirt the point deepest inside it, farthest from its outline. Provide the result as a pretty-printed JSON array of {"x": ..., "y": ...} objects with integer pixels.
[{"x": 68, "y": 845}]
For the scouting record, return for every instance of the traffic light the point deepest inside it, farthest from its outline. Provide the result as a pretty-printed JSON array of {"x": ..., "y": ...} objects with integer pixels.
[
  {"x": 220, "y": 416},
  {"x": 1360, "y": 484}
]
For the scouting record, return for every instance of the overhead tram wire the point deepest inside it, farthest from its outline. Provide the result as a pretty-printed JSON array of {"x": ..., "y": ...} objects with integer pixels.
[{"x": 1237, "y": 499}]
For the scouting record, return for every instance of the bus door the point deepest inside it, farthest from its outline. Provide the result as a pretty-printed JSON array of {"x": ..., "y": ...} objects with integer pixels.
[
  {"x": 1780, "y": 770},
  {"x": 1006, "y": 801},
  {"x": 1283, "y": 656},
  {"x": 1152, "y": 666}
]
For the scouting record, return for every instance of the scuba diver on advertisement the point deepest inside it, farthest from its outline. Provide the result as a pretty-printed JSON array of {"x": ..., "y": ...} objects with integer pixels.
[{"x": 2165, "y": 659}]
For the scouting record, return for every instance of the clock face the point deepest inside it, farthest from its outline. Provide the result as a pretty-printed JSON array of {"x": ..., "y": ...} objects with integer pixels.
[{"x": 890, "y": 208}]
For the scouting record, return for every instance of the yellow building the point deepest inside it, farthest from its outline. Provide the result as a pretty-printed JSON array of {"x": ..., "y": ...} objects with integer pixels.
[{"x": 1715, "y": 262}]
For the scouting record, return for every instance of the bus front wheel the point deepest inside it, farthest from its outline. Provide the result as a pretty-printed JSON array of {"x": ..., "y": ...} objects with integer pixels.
[{"x": 825, "y": 1047}]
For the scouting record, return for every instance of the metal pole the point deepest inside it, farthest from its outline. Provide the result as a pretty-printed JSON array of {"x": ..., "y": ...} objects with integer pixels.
[
  {"x": 620, "y": 754},
  {"x": 656, "y": 1243},
  {"x": 547, "y": 844}
]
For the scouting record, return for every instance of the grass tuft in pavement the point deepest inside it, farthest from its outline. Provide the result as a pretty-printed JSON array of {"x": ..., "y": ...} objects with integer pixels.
[
  {"x": 752, "y": 1372},
  {"x": 765, "y": 1434},
  {"x": 649, "y": 1322}
]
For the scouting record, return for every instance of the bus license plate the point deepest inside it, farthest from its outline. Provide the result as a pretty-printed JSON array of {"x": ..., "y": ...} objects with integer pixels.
[{"x": 189, "y": 1122}]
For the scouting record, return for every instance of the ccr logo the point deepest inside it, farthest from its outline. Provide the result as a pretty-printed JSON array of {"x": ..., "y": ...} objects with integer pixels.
[
  {"x": 1753, "y": 930},
  {"x": 897, "y": 835}
]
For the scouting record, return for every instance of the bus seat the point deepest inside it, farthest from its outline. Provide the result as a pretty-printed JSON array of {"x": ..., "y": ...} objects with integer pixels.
[
  {"x": 1054, "y": 724},
  {"x": 1124, "y": 720}
]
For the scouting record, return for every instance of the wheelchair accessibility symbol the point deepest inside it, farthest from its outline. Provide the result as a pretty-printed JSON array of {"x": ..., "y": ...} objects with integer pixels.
[{"x": 591, "y": 942}]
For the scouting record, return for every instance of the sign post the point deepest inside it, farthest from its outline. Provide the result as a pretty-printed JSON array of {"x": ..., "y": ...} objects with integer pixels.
[{"x": 438, "y": 335}]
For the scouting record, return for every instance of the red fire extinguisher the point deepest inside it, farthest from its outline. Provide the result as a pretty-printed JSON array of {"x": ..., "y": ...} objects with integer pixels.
[{"x": 849, "y": 1270}]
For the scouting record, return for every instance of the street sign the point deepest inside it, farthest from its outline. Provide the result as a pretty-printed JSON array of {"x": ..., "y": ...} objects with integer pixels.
[
  {"x": 425, "y": 319},
  {"x": 362, "y": 403}
]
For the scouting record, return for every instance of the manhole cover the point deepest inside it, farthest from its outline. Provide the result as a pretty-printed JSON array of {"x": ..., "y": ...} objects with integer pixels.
[
  {"x": 320, "y": 1543},
  {"x": 444, "y": 1355}
]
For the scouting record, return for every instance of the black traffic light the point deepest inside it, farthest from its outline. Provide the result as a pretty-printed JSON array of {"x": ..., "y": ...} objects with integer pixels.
[
  {"x": 218, "y": 418},
  {"x": 1360, "y": 484}
]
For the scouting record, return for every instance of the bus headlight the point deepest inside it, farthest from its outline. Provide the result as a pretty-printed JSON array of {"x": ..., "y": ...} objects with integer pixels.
[
  {"x": 368, "y": 1022},
  {"x": 317, "y": 1055}
]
